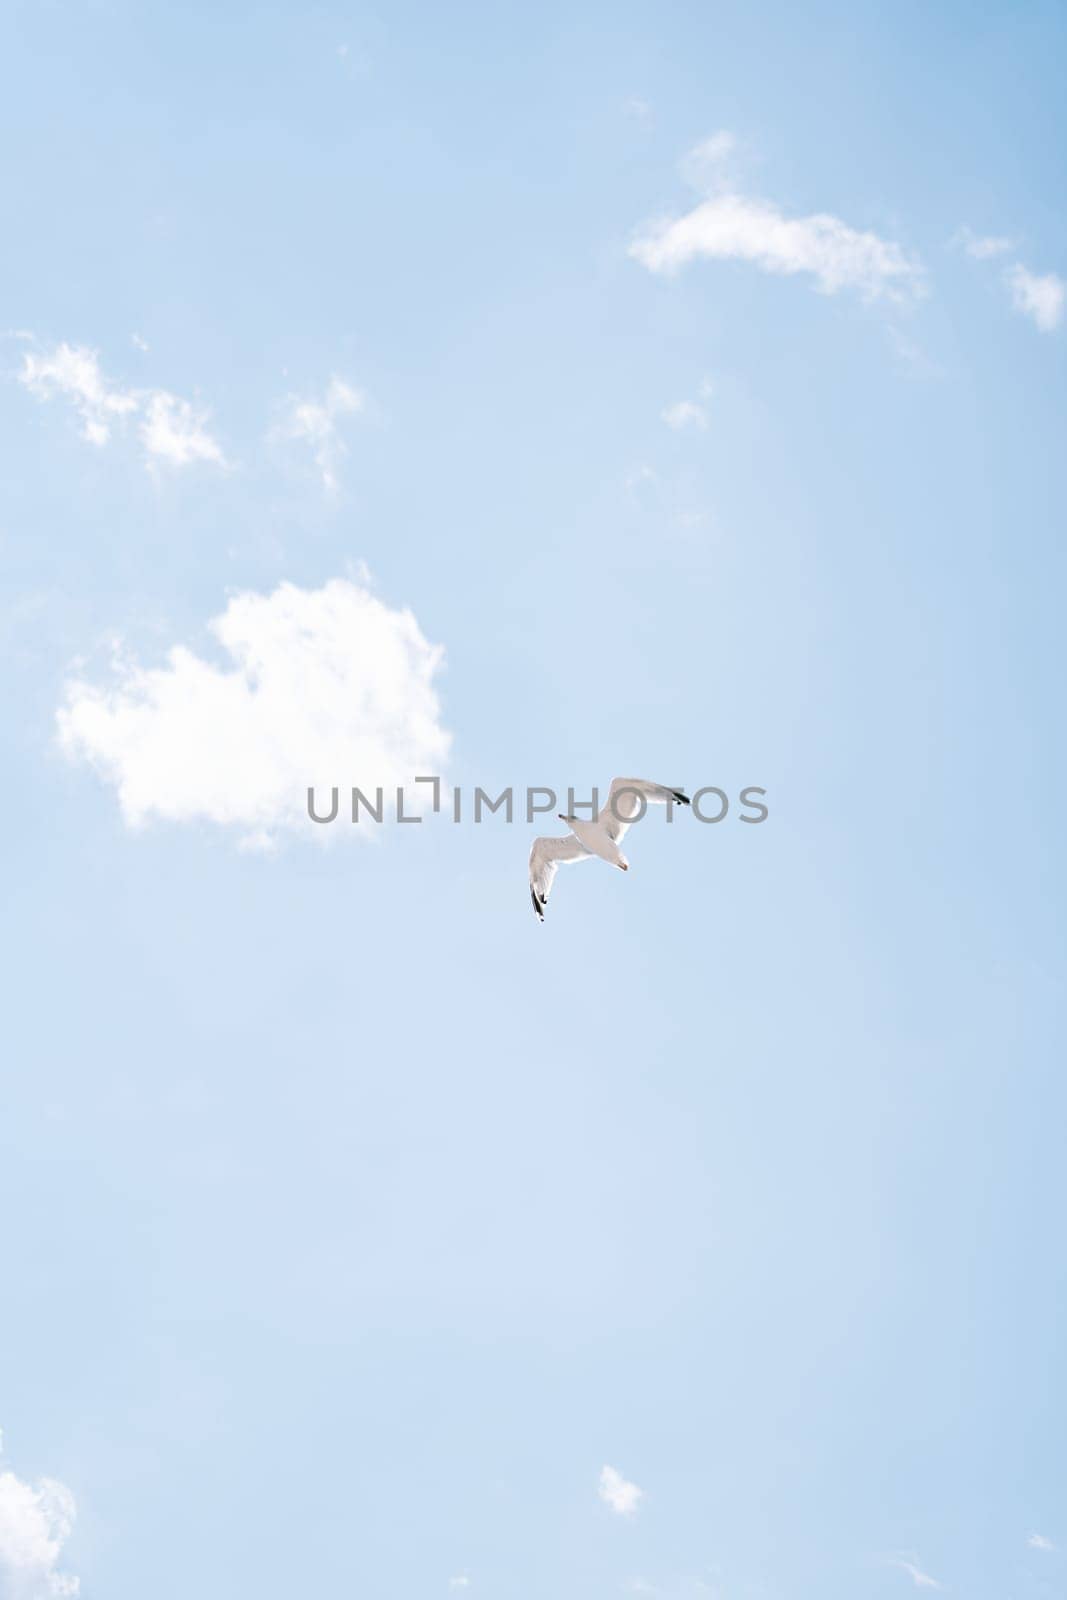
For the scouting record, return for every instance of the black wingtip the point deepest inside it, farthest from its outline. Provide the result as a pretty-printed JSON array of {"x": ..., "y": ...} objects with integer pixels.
[
  {"x": 682, "y": 799},
  {"x": 538, "y": 913}
]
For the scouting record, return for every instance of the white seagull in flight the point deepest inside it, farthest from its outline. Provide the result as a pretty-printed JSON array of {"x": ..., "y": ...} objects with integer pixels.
[{"x": 628, "y": 799}]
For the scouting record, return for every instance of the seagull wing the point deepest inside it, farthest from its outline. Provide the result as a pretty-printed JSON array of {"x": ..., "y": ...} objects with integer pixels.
[
  {"x": 625, "y": 803},
  {"x": 546, "y": 857}
]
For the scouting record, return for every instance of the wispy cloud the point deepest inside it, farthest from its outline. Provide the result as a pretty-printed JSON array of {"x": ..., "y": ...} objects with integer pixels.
[
  {"x": 921, "y": 1579},
  {"x": 910, "y": 355},
  {"x": 171, "y": 430},
  {"x": 1041, "y": 298},
  {"x": 1037, "y": 1541},
  {"x": 685, "y": 414},
  {"x": 35, "y": 1522},
  {"x": 983, "y": 246},
  {"x": 461, "y": 1581},
  {"x": 317, "y": 423},
  {"x": 710, "y": 166},
  {"x": 354, "y": 62},
  {"x": 640, "y": 477},
  {"x": 324, "y": 686},
  {"x": 616, "y": 1492},
  {"x": 731, "y": 226}
]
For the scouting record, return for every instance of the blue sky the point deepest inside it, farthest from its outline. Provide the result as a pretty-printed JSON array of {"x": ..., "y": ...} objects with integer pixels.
[{"x": 356, "y": 1222}]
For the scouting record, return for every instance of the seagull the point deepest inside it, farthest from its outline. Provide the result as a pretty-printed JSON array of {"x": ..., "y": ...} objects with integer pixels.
[{"x": 628, "y": 799}]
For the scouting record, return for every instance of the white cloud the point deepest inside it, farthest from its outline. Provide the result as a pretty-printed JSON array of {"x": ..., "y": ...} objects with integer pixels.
[
  {"x": 316, "y": 422},
  {"x": 175, "y": 433},
  {"x": 730, "y": 226},
  {"x": 1037, "y": 1541},
  {"x": 460, "y": 1582},
  {"x": 639, "y": 109},
  {"x": 171, "y": 430},
  {"x": 616, "y": 1492},
  {"x": 139, "y": 343},
  {"x": 921, "y": 1579},
  {"x": 74, "y": 372},
  {"x": 685, "y": 414},
  {"x": 1040, "y": 298},
  {"x": 35, "y": 1521},
  {"x": 325, "y": 687}
]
